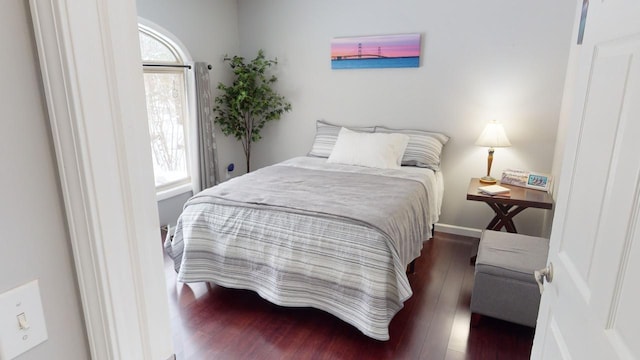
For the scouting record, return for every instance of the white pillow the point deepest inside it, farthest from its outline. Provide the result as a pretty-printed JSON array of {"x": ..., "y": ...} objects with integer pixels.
[
  {"x": 378, "y": 150},
  {"x": 326, "y": 136}
]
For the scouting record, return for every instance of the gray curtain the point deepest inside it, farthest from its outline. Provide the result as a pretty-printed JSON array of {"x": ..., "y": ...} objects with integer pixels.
[{"x": 208, "y": 154}]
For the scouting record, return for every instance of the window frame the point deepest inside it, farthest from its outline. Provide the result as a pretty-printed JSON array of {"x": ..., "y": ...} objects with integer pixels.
[{"x": 155, "y": 31}]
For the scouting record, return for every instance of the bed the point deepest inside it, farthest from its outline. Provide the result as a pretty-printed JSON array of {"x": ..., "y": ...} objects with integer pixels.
[{"x": 311, "y": 232}]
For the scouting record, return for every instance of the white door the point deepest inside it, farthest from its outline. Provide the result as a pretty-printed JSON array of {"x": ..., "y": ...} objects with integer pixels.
[{"x": 591, "y": 309}]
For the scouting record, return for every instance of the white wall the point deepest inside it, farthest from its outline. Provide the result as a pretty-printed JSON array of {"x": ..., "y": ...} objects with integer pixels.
[
  {"x": 209, "y": 30},
  {"x": 35, "y": 242},
  {"x": 480, "y": 60}
]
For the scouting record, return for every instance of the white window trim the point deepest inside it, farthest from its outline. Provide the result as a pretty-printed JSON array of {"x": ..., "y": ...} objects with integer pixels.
[
  {"x": 192, "y": 128},
  {"x": 167, "y": 35},
  {"x": 174, "y": 191}
]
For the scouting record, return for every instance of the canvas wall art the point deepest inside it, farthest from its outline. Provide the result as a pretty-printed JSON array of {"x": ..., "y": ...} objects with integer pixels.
[{"x": 383, "y": 51}]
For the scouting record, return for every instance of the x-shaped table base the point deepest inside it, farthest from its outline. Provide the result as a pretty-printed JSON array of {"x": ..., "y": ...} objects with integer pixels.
[{"x": 504, "y": 216}]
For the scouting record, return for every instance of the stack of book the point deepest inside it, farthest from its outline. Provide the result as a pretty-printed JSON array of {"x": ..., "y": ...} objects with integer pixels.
[{"x": 494, "y": 190}]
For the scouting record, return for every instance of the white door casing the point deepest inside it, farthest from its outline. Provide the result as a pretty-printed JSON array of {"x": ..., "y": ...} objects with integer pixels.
[
  {"x": 589, "y": 310},
  {"x": 92, "y": 79}
]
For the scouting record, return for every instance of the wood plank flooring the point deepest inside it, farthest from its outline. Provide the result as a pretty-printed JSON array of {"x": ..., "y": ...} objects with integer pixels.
[{"x": 212, "y": 322}]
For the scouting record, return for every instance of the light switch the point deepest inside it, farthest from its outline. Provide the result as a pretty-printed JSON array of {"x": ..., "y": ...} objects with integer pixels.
[
  {"x": 22, "y": 321},
  {"x": 22, "y": 324}
]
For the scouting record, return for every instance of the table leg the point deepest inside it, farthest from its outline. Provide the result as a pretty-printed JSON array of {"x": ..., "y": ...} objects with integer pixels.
[{"x": 504, "y": 217}]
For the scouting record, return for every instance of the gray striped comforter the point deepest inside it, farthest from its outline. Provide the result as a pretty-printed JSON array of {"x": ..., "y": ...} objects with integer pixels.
[{"x": 306, "y": 233}]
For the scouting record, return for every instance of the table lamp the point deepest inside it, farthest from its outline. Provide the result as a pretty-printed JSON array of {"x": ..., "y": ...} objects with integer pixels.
[{"x": 492, "y": 136}]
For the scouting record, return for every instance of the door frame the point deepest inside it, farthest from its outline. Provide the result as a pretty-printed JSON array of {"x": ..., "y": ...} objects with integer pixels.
[{"x": 93, "y": 85}]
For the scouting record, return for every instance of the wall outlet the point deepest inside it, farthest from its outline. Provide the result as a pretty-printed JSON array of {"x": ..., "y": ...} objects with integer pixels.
[{"x": 22, "y": 324}]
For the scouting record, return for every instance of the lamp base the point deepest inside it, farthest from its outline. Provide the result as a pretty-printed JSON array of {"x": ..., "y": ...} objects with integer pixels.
[{"x": 487, "y": 180}]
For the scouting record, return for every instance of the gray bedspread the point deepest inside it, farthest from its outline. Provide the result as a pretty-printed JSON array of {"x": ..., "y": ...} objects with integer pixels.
[{"x": 311, "y": 236}]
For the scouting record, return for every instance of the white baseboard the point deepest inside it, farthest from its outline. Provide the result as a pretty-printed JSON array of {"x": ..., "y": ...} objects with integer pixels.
[{"x": 458, "y": 230}]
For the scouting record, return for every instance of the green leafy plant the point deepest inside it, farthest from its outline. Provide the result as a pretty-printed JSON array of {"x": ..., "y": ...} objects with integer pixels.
[{"x": 243, "y": 108}]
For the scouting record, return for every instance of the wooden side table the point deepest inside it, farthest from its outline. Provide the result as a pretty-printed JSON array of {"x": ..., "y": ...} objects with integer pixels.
[{"x": 507, "y": 207}]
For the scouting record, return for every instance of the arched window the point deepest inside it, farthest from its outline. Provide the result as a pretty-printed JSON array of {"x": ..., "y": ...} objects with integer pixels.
[{"x": 167, "y": 80}]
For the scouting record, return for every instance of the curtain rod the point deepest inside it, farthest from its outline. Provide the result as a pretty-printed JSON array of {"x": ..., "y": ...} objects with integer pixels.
[
  {"x": 167, "y": 65},
  {"x": 174, "y": 66}
]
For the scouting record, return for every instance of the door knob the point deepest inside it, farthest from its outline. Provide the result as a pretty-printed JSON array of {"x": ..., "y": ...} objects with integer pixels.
[{"x": 542, "y": 275}]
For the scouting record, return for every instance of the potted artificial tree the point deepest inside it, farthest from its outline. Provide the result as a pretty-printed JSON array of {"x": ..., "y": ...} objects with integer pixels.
[{"x": 243, "y": 108}]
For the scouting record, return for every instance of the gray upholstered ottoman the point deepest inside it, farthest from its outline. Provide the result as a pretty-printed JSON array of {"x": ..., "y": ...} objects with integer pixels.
[{"x": 504, "y": 286}]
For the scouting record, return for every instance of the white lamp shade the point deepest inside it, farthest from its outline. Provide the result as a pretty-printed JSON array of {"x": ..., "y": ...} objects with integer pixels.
[{"x": 493, "y": 135}]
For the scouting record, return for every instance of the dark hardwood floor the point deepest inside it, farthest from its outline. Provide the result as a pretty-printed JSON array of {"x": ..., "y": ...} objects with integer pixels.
[{"x": 212, "y": 322}]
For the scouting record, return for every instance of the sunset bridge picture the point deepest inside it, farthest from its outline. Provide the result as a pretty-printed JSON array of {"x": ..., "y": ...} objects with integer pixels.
[{"x": 386, "y": 51}]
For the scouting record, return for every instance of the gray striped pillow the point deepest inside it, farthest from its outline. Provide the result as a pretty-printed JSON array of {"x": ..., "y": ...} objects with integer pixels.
[
  {"x": 424, "y": 148},
  {"x": 326, "y": 136}
]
